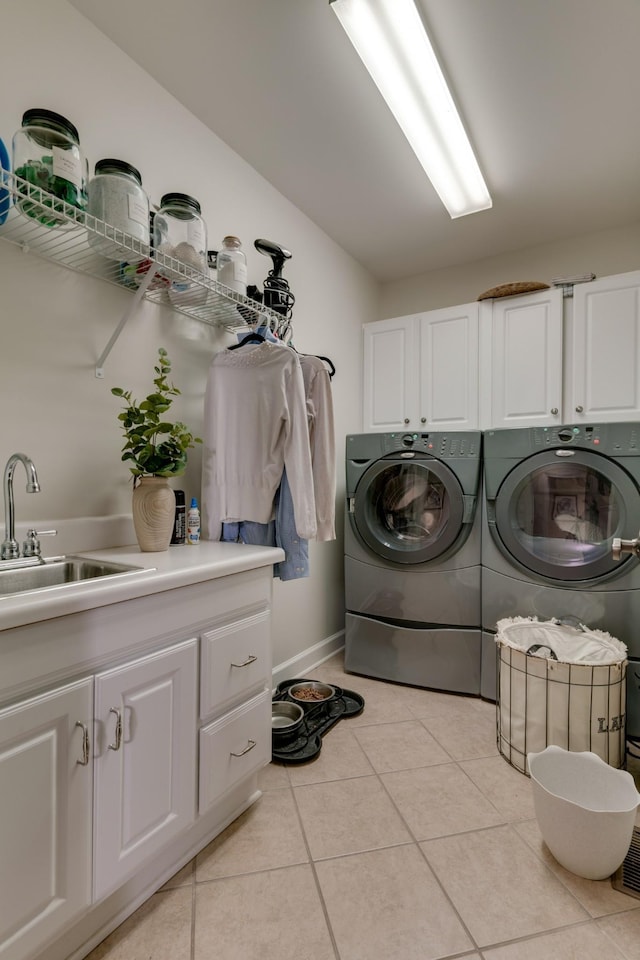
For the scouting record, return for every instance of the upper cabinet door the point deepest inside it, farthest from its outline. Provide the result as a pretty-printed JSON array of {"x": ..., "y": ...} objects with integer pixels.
[
  {"x": 606, "y": 350},
  {"x": 526, "y": 360},
  {"x": 448, "y": 376},
  {"x": 390, "y": 368}
]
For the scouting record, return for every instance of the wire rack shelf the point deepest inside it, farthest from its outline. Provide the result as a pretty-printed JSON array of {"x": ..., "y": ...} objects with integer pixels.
[{"x": 41, "y": 224}]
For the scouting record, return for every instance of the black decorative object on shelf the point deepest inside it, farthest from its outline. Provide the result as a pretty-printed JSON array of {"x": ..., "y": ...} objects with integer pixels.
[{"x": 319, "y": 717}]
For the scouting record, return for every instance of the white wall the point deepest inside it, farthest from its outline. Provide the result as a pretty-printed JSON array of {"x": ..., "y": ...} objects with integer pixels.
[
  {"x": 55, "y": 323},
  {"x": 604, "y": 253}
]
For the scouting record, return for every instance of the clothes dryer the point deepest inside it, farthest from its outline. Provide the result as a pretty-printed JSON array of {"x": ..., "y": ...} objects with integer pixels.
[
  {"x": 412, "y": 558},
  {"x": 554, "y": 500}
]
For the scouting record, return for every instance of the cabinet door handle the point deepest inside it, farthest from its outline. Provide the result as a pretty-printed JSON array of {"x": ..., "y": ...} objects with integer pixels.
[
  {"x": 579, "y": 409},
  {"x": 406, "y": 420},
  {"x": 250, "y": 745},
  {"x": 118, "y": 743},
  {"x": 245, "y": 663},
  {"x": 554, "y": 411},
  {"x": 423, "y": 419},
  {"x": 85, "y": 744}
]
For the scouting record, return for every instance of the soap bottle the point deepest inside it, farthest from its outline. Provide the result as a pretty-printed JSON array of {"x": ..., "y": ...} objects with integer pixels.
[
  {"x": 193, "y": 523},
  {"x": 180, "y": 522}
]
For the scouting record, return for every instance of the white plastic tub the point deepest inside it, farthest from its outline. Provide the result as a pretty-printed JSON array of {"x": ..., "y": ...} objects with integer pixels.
[{"x": 585, "y": 809}]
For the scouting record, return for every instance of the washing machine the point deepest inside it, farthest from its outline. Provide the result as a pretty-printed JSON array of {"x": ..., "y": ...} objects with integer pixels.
[
  {"x": 554, "y": 500},
  {"x": 412, "y": 558}
]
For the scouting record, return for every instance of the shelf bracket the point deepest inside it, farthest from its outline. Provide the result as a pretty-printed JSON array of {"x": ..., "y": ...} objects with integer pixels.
[
  {"x": 566, "y": 283},
  {"x": 131, "y": 309}
]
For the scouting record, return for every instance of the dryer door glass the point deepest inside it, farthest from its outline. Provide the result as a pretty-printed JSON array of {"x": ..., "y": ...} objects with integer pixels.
[
  {"x": 409, "y": 511},
  {"x": 558, "y": 517}
]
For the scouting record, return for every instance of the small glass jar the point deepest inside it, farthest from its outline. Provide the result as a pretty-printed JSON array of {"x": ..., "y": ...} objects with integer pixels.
[
  {"x": 180, "y": 232},
  {"x": 232, "y": 265},
  {"x": 47, "y": 154},
  {"x": 116, "y": 197}
]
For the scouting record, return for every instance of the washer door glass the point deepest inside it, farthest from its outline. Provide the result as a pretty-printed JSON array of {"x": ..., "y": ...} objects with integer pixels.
[
  {"x": 558, "y": 517},
  {"x": 409, "y": 510}
]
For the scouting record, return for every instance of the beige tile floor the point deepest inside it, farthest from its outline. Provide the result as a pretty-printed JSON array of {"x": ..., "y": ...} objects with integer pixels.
[{"x": 408, "y": 838}]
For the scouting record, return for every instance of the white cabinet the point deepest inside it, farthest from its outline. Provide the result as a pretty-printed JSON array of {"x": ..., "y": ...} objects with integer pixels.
[
  {"x": 235, "y": 703},
  {"x": 421, "y": 371},
  {"x": 234, "y": 746},
  {"x": 145, "y": 760},
  {"x": 100, "y": 777},
  {"x": 390, "y": 375},
  {"x": 547, "y": 360},
  {"x": 45, "y": 829},
  {"x": 603, "y": 378},
  {"x": 521, "y": 360}
]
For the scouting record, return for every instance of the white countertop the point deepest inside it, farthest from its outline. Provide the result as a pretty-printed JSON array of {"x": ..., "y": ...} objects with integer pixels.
[{"x": 178, "y": 566}]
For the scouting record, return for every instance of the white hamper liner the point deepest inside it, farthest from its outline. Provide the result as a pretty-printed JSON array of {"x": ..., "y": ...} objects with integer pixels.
[{"x": 562, "y": 685}]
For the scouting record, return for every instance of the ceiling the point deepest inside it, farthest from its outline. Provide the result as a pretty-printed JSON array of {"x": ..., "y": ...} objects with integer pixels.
[{"x": 548, "y": 91}]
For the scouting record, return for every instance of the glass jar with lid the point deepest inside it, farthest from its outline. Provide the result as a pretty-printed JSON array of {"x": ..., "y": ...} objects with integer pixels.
[
  {"x": 121, "y": 207},
  {"x": 232, "y": 265},
  {"x": 47, "y": 154},
  {"x": 179, "y": 231}
]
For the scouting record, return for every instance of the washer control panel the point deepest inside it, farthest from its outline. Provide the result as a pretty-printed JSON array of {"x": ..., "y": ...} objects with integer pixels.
[
  {"x": 610, "y": 438},
  {"x": 439, "y": 445}
]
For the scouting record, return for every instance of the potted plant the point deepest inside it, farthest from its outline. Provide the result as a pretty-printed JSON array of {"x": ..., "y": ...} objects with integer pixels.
[{"x": 156, "y": 449}]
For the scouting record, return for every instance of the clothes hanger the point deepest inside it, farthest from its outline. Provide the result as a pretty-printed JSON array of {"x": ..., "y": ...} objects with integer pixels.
[
  {"x": 331, "y": 365},
  {"x": 331, "y": 371},
  {"x": 249, "y": 338}
]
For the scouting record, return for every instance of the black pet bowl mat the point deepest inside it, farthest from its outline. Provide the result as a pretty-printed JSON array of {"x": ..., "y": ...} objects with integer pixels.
[{"x": 319, "y": 717}]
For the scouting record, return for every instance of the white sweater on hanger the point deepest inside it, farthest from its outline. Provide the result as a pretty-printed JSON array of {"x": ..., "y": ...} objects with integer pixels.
[
  {"x": 255, "y": 425},
  {"x": 317, "y": 386}
]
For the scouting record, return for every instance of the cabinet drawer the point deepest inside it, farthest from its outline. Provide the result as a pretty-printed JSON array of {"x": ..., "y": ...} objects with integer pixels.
[
  {"x": 235, "y": 659},
  {"x": 233, "y": 747}
]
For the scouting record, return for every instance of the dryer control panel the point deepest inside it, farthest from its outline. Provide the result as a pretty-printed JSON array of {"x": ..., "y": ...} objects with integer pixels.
[{"x": 441, "y": 445}]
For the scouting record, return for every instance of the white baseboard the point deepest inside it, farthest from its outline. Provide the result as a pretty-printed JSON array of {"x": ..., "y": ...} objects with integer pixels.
[{"x": 303, "y": 663}]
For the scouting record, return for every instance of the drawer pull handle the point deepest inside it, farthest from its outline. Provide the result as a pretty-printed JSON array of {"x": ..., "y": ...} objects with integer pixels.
[
  {"x": 117, "y": 744},
  {"x": 245, "y": 663},
  {"x": 85, "y": 744},
  {"x": 250, "y": 745}
]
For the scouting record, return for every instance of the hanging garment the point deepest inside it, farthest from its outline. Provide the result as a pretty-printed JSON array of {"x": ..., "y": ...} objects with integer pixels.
[
  {"x": 255, "y": 425},
  {"x": 317, "y": 386},
  {"x": 279, "y": 532}
]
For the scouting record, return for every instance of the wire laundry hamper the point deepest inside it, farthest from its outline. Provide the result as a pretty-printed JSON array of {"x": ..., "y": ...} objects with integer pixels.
[{"x": 542, "y": 700}]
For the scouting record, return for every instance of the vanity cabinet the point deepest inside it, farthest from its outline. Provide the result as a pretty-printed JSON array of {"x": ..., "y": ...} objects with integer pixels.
[
  {"x": 235, "y": 704},
  {"x": 145, "y": 760},
  {"x": 147, "y": 746},
  {"x": 46, "y": 785},
  {"x": 421, "y": 371}
]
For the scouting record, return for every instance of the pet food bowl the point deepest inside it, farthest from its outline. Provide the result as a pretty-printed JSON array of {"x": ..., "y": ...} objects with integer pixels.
[
  {"x": 310, "y": 693},
  {"x": 286, "y": 720},
  {"x": 585, "y": 809}
]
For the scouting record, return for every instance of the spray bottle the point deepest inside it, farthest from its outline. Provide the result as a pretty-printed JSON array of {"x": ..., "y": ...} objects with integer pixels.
[{"x": 193, "y": 523}]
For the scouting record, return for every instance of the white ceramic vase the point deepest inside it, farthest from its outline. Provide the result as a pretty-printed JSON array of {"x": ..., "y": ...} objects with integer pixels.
[{"x": 154, "y": 506}]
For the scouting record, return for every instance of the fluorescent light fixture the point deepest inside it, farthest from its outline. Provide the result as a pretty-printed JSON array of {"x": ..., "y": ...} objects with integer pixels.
[{"x": 391, "y": 41}]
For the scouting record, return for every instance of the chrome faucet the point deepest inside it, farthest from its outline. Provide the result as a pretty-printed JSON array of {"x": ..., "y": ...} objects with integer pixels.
[{"x": 10, "y": 549}]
